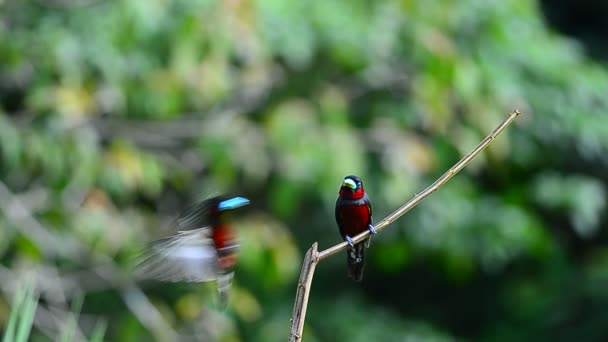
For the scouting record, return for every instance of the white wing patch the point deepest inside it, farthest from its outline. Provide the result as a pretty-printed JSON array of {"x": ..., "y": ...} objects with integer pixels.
[{"x": 188, "y": 256}]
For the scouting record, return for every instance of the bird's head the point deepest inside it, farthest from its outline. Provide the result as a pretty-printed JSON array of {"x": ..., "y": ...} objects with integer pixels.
[
  {"x": 352, "y": 188},
  {"x": 233, "y": 203},
  {"x": 222, "y": 207}
]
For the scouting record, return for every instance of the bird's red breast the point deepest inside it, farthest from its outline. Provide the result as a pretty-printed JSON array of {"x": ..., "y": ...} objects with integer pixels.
[
  {"x": 352, "y": 195},
  {"x": 222, "y": 235},
  {"x": 354, "y": 218},
  {"x": 225, "y": 239}
]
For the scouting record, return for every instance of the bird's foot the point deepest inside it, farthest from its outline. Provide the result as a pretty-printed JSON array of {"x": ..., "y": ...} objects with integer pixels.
[
  {"x": 371, "y": 229},
  {"x": 349, "y": 240},
  {"x": 369, "y": 239}
]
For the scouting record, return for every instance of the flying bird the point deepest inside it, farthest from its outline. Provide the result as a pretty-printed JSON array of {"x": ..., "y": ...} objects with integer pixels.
[
  {"x": 354, "y": 216},
  {"x": 204, "y": 248}
]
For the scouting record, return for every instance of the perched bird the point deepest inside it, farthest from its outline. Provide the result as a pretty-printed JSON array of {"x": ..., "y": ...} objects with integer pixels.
[
  {"x": 354, "y": 216},
  {"x": 204, "y": 248}
]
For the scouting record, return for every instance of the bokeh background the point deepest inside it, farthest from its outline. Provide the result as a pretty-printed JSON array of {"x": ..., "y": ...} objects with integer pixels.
[{"x": 116, "y": 114}]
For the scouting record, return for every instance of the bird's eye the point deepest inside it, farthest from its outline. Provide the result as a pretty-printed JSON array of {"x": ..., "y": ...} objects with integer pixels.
[{"x": 349, "y": 183}]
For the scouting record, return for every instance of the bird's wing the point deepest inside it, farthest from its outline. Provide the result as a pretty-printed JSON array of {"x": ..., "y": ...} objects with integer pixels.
[
  {"x": 196, "y": 216},
  {"x": 339, "y": 218},
  {"x": 189, "y": 256},
  {"x": 368, "y": 203}
]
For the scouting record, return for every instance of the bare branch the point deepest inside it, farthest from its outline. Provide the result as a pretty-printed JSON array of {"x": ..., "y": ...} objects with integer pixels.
[
  {"x": 299, "y": 310},
  {"x": 313, "y": 257},
  {"x": 429, "y": 190}
]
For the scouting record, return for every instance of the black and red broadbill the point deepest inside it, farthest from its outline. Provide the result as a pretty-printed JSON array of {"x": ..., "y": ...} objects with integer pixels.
[
  {"x": 204, "y": 249},
  {"x": 354, "y": 216}
]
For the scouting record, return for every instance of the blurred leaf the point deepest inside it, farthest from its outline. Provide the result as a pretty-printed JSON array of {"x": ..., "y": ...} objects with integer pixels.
[
  {"x": 246, "y": 305},
  {"x": 28, "y": 248},
  {"x": 10, "y": 144},
  {"x": 22, "y": 315},
  {"x": 99, "y": 331},
  {"x": 268, "y": 250},
  {"x": 68, "y": 331},
  {"x": 391, "y": 257},
  {"x": 583, "y": 198}
]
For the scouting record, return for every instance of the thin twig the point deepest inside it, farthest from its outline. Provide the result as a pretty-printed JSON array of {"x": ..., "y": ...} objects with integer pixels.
[
  {"x": 20, "y": 216},
  {"x": 313, "y": 257}
]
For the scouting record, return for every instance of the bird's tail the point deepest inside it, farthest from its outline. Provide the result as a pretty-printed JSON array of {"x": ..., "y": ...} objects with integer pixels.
[
  {"x": 355, "y": 258},
  {"x": 224, "y": 282}
]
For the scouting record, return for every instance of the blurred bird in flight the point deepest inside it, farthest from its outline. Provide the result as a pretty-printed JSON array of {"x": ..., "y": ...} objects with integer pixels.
[
  {"x": 204, "y": 248},
  {"x": 354, "y": 216}
]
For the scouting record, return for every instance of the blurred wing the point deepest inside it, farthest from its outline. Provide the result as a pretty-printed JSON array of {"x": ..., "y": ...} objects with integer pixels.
[
  {"x": 195, "y": 216},
  {"x": 189, "y": 256}
]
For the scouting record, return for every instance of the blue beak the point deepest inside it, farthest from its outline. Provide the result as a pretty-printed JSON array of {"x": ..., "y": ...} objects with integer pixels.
[{"x": 233, "y": 203}]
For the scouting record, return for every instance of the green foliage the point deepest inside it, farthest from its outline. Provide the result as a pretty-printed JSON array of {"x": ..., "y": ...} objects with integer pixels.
[
  {"x": 115, "y": 115},
  {"x": 22, "y": 316}
]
